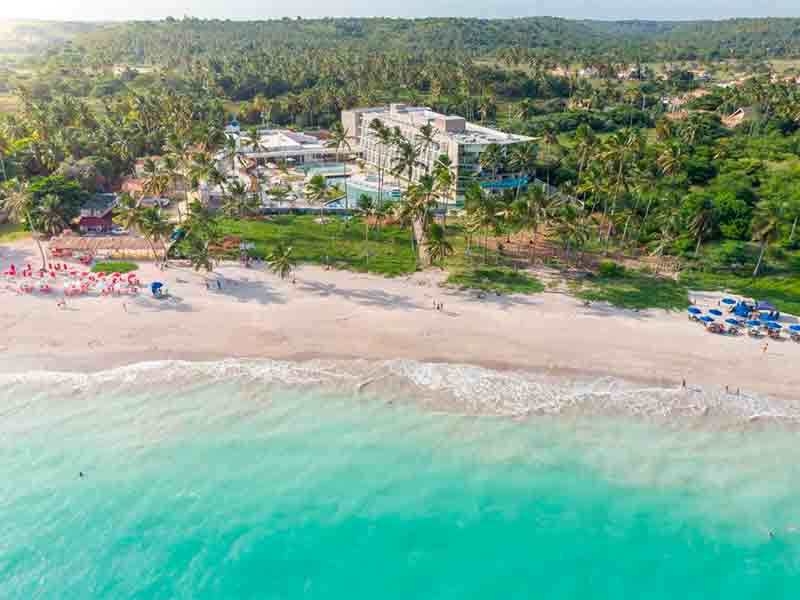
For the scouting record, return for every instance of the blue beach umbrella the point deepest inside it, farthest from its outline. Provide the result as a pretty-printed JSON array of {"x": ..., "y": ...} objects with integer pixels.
[
  {"x": 706, "y": 319},
  {"x": 754, "y": 323},
  {"x": 794, "y": 327},
  {"x": 729, "y": 301},
  {"x": 774, "y": 325},
  {"x": 155, "y": 287},
  {"x": 715, "y": 312},
  {"x": 733, "y": 322},
  {"x": 693, "y": 310}
]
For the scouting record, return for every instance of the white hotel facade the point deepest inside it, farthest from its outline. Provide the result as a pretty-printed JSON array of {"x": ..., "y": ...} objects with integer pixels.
[{"x": 462, "y": 141}]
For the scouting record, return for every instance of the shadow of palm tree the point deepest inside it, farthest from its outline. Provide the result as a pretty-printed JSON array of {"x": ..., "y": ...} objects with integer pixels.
[
  {"x": 377, "y": 298},
  {"x": 244, "y": 290}
]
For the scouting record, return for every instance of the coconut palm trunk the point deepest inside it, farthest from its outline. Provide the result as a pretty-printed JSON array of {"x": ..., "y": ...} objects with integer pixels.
[{"x": 760, "y": 258}]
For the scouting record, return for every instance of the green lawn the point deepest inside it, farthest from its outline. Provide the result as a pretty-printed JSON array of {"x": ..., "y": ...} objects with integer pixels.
[
  {"x": 338, "y": 242},
  {"x": 495, "y": 279},
  {"x": 114, "y": 267},
  {"x": 633, "y": 290},
  {"x": 10, "y": 232}
]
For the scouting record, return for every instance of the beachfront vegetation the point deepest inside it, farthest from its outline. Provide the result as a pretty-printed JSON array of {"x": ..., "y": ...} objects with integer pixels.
[
  {"x": 336, "y": 242},
  {"x": 114, "y": 267},
  {"x": 11, "y": 232},
  {"x": 500, "y": 280},
  {"x": 718, "y": 197},
  {"x": 633, "y": 290}
]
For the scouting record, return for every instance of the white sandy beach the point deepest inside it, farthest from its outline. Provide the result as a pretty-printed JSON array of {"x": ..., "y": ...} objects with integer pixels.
[{"x": 341, "y": 315}]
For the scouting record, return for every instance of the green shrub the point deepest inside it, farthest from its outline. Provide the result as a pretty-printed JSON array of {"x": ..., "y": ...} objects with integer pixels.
[
  {"x": 608, "y": 268},
  {"x": 114, "y": 267}
]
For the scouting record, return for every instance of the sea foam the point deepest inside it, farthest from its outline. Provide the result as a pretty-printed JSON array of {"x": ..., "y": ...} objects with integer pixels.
[{"x": 455, "y": 388}]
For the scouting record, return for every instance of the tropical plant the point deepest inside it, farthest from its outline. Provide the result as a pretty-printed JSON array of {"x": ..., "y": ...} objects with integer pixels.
[
  {"x": 437, "y": 244},
  {"x": 767, "y": 220},
  {"x": 281, "y": 262}
]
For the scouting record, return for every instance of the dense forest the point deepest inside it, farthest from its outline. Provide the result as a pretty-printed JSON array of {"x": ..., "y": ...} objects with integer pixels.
[{"x": 720, "y": 196}]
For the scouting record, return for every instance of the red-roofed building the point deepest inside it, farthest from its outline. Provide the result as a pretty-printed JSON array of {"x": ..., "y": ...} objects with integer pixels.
[{"x": 97, "y": 214}]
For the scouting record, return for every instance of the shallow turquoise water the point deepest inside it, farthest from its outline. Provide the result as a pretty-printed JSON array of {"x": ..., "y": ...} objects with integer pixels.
[{"x": 218, "y": 492}]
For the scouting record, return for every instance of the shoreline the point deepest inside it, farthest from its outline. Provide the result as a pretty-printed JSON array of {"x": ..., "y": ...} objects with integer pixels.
[
  {"x": 341, "y": 315},
  {"x": 458, "y": 389}
]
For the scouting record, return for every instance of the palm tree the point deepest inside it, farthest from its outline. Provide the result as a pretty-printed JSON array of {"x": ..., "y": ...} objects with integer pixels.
[
  {"x": 279, "y": 194},
  {"x": 444, "y": 177},
  {"x": 318, "y": 192},
  {"x": 522, "y": 160},
  {"x": 407, "y": 158},
  {"x": 339, "y": 138},
  {"x": 439, "y": 248},
  {"x": 491, "y": 159},
  {"x": 238, "y": 202},
  {"x": 281, "y": 262},
  {"x": 148, "y": 221},
  {"x": 367, "y": 210},
  {"x": 199, "y": 253},
  {"x": 426, "y": 138},
  {"x": 585, "y": 144},
  {"x": 767, "y": 219},
  {"x": 670, "y": 160},
  {"x": 154, "y": 228},
  {"x": 530, "y": 211},
  {"x": 156, "y": 180},
  {"x": 50, "y": 216},
  {"x": 385, "y": 139},
  {"x": 481, "y": 211},
  {"x": 17, "y": 204},
  {"x": 703, "y": 222},
  {"x": 4, "y": 148}
]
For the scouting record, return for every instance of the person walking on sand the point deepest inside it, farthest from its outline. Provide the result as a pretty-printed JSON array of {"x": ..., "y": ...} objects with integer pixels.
[{"x": 765, "y": 347}]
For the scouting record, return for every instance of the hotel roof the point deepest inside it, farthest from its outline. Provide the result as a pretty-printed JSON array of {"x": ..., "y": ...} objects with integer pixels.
[{"x": 467, "y": 133}]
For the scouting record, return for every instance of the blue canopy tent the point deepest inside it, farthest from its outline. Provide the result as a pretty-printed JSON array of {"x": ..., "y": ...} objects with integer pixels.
[
  {"x": 774, "y": 325},
  {"x": 753, "y": 323},
  {"x": 742, "y": 310},
  {"x": 764, "y": 305},
  {"x": 794, "y": 328}
]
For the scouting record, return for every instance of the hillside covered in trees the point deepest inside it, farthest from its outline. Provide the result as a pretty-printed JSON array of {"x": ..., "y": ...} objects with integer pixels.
[{"x": 175, "y": 39}]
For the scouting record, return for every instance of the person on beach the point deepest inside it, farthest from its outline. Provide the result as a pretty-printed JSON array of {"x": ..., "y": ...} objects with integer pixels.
[
  {"x": 124, "y": 307},
  {"x": 765, "y": 347}
]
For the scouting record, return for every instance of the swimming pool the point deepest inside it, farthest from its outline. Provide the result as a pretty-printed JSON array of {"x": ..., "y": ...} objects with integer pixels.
[
  {"x": 369, "y": 187},
  {"x": 327, "y": 169}
]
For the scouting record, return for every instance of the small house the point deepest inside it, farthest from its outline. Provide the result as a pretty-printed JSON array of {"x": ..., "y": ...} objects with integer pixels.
[{"x": 97, "y": 214}]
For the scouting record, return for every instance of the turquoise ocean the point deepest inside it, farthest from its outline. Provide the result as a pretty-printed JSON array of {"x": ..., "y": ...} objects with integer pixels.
[{"x": 271, "y": 481}]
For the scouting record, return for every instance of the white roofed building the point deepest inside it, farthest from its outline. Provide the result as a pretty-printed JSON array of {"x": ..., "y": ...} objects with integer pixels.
[{"x": 462, "y": 141}]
